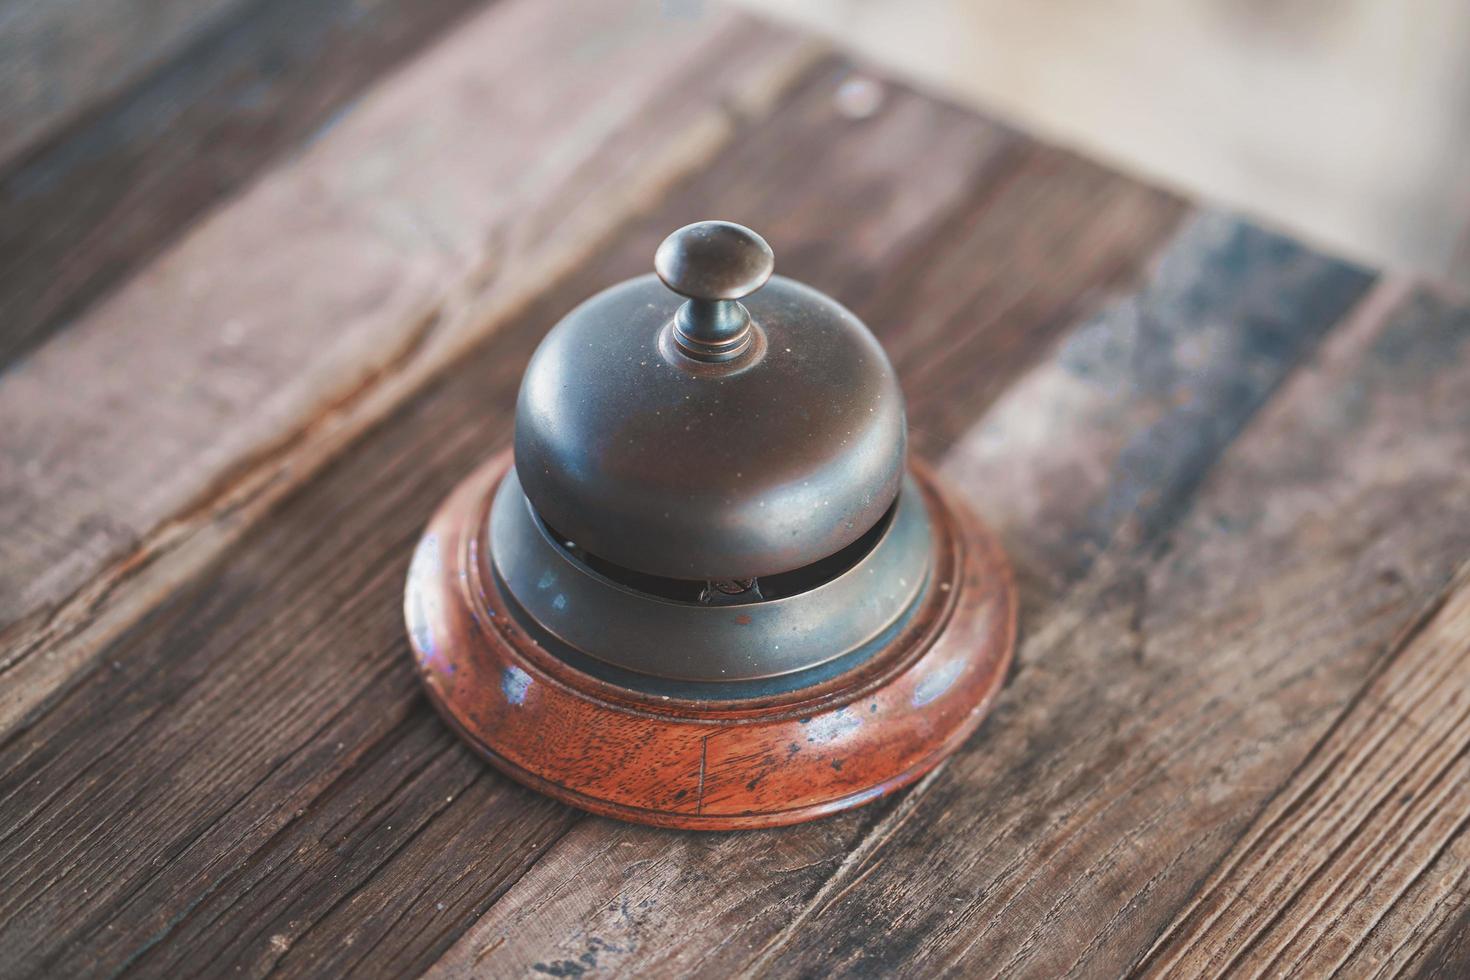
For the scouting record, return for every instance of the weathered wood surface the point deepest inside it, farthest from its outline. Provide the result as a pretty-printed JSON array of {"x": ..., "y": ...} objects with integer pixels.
[
  {"x": 133, "y": 160},
  {"x": 286, "y": 323},
  {"x": 1234, "y": 476},
  {"x": 1218, "y": 288},
  {"x": 58, "y": 60},
  {"x": 1369, "y": 829}
]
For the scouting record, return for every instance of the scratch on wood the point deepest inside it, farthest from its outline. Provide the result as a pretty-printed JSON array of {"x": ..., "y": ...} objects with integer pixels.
[
  {"x": 253, "y": 479},
  {"x": 1300, "y": 786},
  {"x": 116, "y": 595},
  {"x": 1339, "y": 756},
  {"x": 489, "y": 949},
  {"x": 850, "y": 886},
  {"x": 839, "y": 882},
  {"x": 703, "y": 754}
]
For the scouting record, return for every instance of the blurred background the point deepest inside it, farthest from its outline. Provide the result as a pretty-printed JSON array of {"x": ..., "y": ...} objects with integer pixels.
[
  {"x": 1342, "y": 122},
  {"x": 1346, "y": 122}
]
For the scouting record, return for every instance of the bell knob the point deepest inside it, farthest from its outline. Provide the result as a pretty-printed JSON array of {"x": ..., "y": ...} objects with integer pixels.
[{"x": 714, "y": 264}]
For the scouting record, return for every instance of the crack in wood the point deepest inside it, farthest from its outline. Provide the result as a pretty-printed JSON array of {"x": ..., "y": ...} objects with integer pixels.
[
  {"x": 1339, "y": 775},
  {"x": 71, "y": 632}
]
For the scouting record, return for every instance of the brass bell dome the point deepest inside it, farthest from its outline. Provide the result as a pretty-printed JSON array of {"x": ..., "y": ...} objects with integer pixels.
[{"x": 722, "y": 424}]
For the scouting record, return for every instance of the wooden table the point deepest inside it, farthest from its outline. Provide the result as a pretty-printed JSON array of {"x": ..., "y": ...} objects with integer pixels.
[{"x": 248, "y": 352}]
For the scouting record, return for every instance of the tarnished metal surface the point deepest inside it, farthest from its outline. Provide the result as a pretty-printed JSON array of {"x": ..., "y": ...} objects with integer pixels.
[
  {"x": 714, "y": 264},
  {"x": 711, "y": 470},
  {"x": 694, "y": 641},
  {"x": 714, "y": 260}
]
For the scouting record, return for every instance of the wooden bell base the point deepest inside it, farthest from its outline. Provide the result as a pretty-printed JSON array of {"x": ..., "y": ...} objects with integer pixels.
[{"x": 712, "y": 765}]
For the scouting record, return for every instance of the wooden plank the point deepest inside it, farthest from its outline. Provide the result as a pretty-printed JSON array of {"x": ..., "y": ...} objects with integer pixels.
[
  {"x": 100, "y": 198},
  {"x": 1156, "y": 711},
  {"x": 1148, "y": 399},
  {"x": 215, "y": 795},
  {"x": 1364, "y": 853},
  {"x": 253, "y": 765},
  {"x": 139, "y": 443},
  {"x": 1445, "y": 952},
  {"x": 640, "y": 903},
  {"x": 57, "y": 60},
  {"x": 1058, "y": 237}
]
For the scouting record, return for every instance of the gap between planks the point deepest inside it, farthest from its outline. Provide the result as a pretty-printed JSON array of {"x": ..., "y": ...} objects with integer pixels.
[
  {"x": 288, "y": 674},
  {"x": 1111, "y": 407},
  {"x": 1103, "y": 570},
  {"x": 1291, "y": 896},
  {"x": 102, "y": 195},
  {"x": 48, "y": 648}
]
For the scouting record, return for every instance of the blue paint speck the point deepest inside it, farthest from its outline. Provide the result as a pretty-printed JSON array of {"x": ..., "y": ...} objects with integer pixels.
[
  {"x": 548, "y": 579},
  {"x": 514, "y": 683},
  {"x": 560, "y": 602}
]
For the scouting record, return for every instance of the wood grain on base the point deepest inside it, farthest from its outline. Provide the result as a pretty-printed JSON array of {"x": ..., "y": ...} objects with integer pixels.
[
  {"x": 687, "y": 764},
  {"x": 57, "y": 61}
]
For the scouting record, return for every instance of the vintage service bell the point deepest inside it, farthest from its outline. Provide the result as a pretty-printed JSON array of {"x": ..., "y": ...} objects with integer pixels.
[{"x": 709, "y": 590}]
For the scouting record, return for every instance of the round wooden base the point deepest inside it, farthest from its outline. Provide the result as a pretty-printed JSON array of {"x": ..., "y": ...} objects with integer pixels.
[{"x": 706, "y": 764}]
